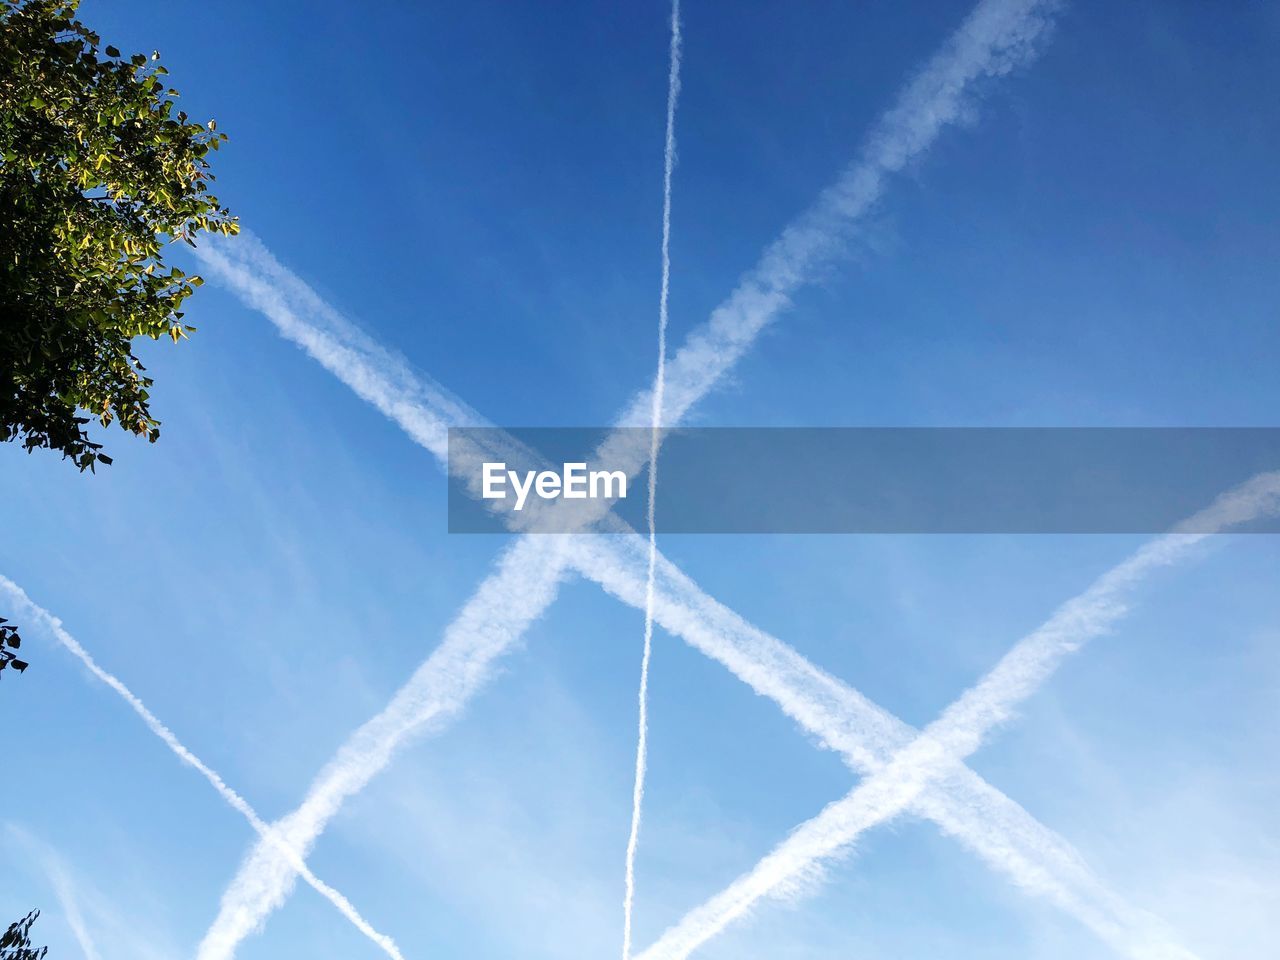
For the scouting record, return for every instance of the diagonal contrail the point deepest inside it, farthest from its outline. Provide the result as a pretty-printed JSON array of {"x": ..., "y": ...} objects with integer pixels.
[
  {"x": 659, "y": 388},
  {"x": 59, "y": 878},
  {"x": 268, "y": 836},
  {"x": 961, "y": 728},
  {"x": 996, "y": 37},
  {"x": 67, "y": 900}
]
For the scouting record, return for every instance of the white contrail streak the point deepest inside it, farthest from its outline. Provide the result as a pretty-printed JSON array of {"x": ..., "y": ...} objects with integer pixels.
[
  {"x": 32, "y": 612},
  {"x": 995, "y": 38},
  {"x": 961, "y": 728},
  {"x": 659, "y": 388},
  {"x": 63, "y": 889},
  {"x": 70, "y": 905},
  {"x": 71, "y": 912}
]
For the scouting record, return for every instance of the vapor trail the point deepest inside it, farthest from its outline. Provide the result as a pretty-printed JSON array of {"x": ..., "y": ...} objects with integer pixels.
[
  {"x": 63, "y": 889},
  {"x": 961, "y": 728},
  {"x": 33, "y": 612},
  {"x": 659, "y": 388},
  {"x": 997, "y": 36},
  {"x": 70, "y": 905}
]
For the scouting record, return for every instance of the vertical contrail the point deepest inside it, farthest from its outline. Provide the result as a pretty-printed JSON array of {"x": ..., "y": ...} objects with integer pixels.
[
  {"x": 19, "y": 596},
  {"x": 659, "y": 388}
]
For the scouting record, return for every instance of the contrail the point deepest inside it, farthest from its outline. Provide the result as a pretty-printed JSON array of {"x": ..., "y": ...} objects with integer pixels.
[
  {"x": 63, "y": 889},
  {"x": 71, "y": 911},
  {"x": 659, "y": 388},
  {"x": 423, "y": 409},
  {"x": 961, "y": 728},
  {"x": 70, "y": 905},
  {"x": 996, "y": 37},
  {"x": 33, "y": 612}
]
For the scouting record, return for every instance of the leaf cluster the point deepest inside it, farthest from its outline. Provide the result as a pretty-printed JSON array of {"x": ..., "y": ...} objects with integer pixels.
[
  {"x": 10, "y": 641},
  {"x": 15, "y": 943},
  {"x": 99, "y": 171}
]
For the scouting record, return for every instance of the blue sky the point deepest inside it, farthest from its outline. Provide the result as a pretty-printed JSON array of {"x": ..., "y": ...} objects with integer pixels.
[{"x": 478, "y": 187}]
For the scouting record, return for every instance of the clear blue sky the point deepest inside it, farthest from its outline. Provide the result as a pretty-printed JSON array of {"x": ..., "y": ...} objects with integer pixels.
[{"x": 478, "y": 186}]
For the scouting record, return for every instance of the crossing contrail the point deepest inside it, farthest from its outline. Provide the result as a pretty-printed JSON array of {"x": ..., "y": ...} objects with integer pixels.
[
  {"x": 267, "y": 835},
  {"x": 961, "y": 728},
  {"x": 995, "y": 38},
  {"x": 659, "y": 388},
  {"x": 866, "y": 736}
]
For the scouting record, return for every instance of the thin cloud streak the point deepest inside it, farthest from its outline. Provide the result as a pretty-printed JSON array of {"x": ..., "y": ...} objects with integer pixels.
[
  {"x": 960, "y": 730},
  {"x": 63, "y": 889},
  {"x": 34, "y": 613},
  {"x": 420, "y": 407},
  {"x": 998, "y": 36},
  {"x": 70, "y": 905},
  {"x": 659, "y": 388}
]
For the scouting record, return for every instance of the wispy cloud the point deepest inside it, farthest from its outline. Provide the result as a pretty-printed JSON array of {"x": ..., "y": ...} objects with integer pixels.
[
  {"x": 63, "y": 888},
  {"x": 32, "y": 613},
  {"x": 996, "y": 37},
  {"x": 960, "y": 730},
  {"x": 655, "y": 434}
]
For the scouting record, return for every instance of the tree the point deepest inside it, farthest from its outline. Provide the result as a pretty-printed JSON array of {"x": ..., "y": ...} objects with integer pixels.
[
  {"x": 99, "y": 172},
  {"x": 15, "y": 943}
]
